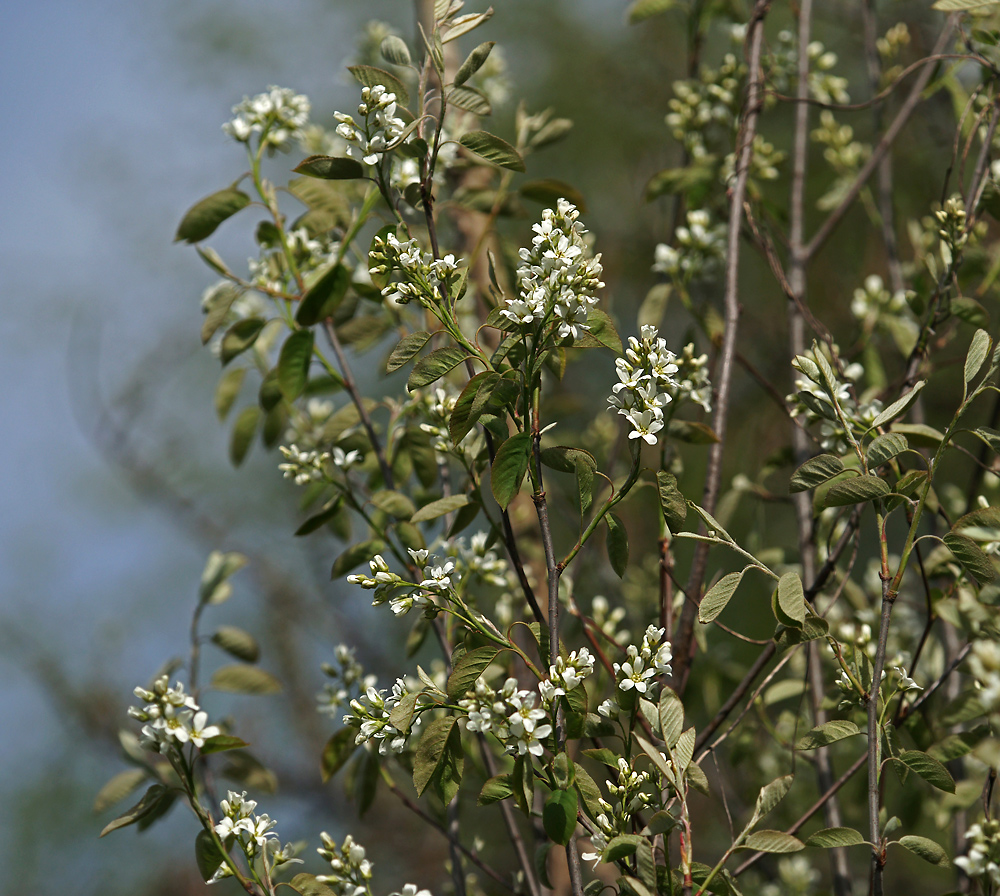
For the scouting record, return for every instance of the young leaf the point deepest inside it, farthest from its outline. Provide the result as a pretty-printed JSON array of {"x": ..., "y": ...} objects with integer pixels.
[
  {"x": 408, "y": 347},
  {"x": 237, "y": 643},
  {"x": 509, "y": 467},
  {"x": 471, "y": 100},
  {"x": 978, "y": 351},
  {"x": 974, "y": 559},
  {"x": 549, "y": 191},
  {"x": 791, "y": 597},
  {"x": 490, "y": 147},
  {"x": 828, "y": 733},
  {"x": 899, "y": 406},
  {"x": 239, "y": 337},
  {"x": 467, "y": 670},
  {"x": 228, "y": 390},
  {"x": 771, "y": 794},
  {"x": 430, "y": 751},
  {"x": 207, "y": 855},
  {"x": 339, "y": 748},
  {"x": 671, "y": 716},
  {"x": 150, "y": 802},
  {"x": 394, "y": 503},
  {"x": 714, "y": 602},
  {"x": 559, "y": 815},
  {"x": 885, "y": 447},
  {"x": 495, "y": 789},
  {"x": 927, "y": 849},
  {"x": 244, "y": 430},
  {"x": 773, "y": 841},
  {"x": 330, "y": 168},
  {"x": 473, "y": 62},
  {"x": 244, "y": 679},
  {"x": 617, "y": 544},
  {"x": 394, "y": 50},
  {"x": 672, "y": 503},
  {"x": 293, "y": 363},
  {"x": 307, "y": 885},
  {"x": 645, "y": 9},
  {"x": 205, "y": 216},
  {"x": 439, "y": 508},
  {"x": 831, "y": 838},
  {"x": 221, "y": 743},
  {"x": 959, "y": 5},
  {"x": 324, "y": 297},
  {"x": 621, "y": 847},
  {"x": 856, "y": 490},
  {"x": 356, "y": 555},
  {"x": 928, "y": 768},
  {"x": 432, "y": 367},
  {"x": 119, "y": 787}
]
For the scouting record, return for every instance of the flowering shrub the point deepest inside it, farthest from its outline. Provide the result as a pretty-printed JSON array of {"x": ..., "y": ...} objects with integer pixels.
[{"x": 866, "y": 587}]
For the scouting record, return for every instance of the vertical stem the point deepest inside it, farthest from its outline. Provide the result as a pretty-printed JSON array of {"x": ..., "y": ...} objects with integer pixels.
[{"x": 744, "y": 153}]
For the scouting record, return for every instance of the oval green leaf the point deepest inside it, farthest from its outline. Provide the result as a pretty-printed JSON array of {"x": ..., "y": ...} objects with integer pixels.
[
  {"x": 829, "y": 733},
  {"x": 245, "y": 679},
  {"x": 617, "y": 544},
  {"x": 293, "y": 363},
  {"x": 831, "y": 838},
  {"x": 509, "y": 467},
  {"x": 714, "y": 602},
  {"x": 490, "y": 147},
  {"x": 205, "y": 216},
  {"x": 856, "y": 490},
  {"x": 432, "y": 367},
  {"x": 330, "y": 168}
]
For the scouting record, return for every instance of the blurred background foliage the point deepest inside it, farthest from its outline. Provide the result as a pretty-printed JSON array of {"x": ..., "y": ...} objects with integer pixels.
[{"x": 117, "y": 482}]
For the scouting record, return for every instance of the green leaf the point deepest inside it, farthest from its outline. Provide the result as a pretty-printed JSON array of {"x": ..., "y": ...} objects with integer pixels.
[
  {"x": 356, "y": 555},
  {"x": 509, "y": 467},
  {"x": 645, "y": 9},
  {"x": 791, "y": 597},
  {"x": 237, "y": 643},
  {"x": 394, "y": 50},
  {"x": 467, "y": 670},
  {"x": 978, "y": 350},
  {"x": 920, "y": 434},
  {"x": 827, "y": 733},
  {"x": 898, "y": 407},
  {"x": 407, "y": 348},
  {"x": 244, "y": 679},
  {"x": 471, "y": 100},
  {"x": 617, "y": 544},
  {"x": 228, "y": 390},
  {"x": 293, "y": 363},
  {"x": 430, "y": 751},
  {"x": 485, "y": 393},
  {"x": 885, "y": 447},
  {"x": 815, "y": 471},
  {"x": 856, "y": 490},
  {"x": 150, "y": 803},
  {"x": 959, "y": 5},
  {"x": 589, "y": 792},
  {"x": 495, "y": 789},
  {"x": 770, "y": 795},
  {"x": 559, "y": 816},
  {"x": 490, "y": 147},
  {"x": 523, "y": 784},
  {"x": 672, "y": 503},
  {"x": 473, "y": 62},
  {"x": 773, "y": 841},
  {"x": 714, "y": 602},
  {"x": 671, "y": 714},
  {"x": 549, "y": 191},
  {"x": 330, "y": 168},
  {"x": 435, "y": 365},
  {"x": 222, "y": 743},
  {"x": 395, "y": 504},
  {"x": 244, "y": 430},
  {"x": 339, "y": 748},
  {"x": 214, "y": 587},
  {"x": 324, "y": 297},
  {"x": 954, "y": 746},
  {"x": 369, "y": 76},
  {"x": 205, "y": 216},
  {"x": 119, "y": 787},
  {"x": 973, "y": 559},
  {"x": 831, "y": 838},
  {"x": 207, "y": 854},
  {"x": 239, "y": 337},
  {"x": 928, "y": 768},
  {"x": 927, "y": 849},
  {"x": 439, "y": 508},
  {"x": 328, "y": 513},
  {"x": 621, "y": 847}
]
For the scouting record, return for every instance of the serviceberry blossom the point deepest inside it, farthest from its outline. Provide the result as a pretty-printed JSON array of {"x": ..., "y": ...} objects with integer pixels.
[
  {"x": 411, "y": 890},
  {"x": 472, "y": 557},
  {"x": 174, "y": 717},
  {"x": 380, "y": 127},
  {"x": 370, "y": 715},
  {"x": 645, "y": 375},
  {"x": 422, "y": 277},
  {"x": 252, "y": 831},
  {"x": 653, "y": 657},
  {"x": 616, "y": 818},
  {"x": 700, "y": 245},
  {"x": 984, "y": 664},
  {"x": 558, "y": 277},
  {"x": 691, "y": 380},
  {"x": 350, "y": 871},
  {"x": 983, "y": 857},
  {"x": 304, "y": 466},
  {"x": 704, "y": 107},
  {"x": 278, "y": 115},
  {"x": 511, "y": 714},
  {"x": 346, "y": 676},
  {"x": 382, "y": 580},
  {"x": 572, "y": 670}
]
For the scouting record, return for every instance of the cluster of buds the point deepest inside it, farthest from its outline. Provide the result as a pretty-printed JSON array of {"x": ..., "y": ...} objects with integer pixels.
[
  {"x": 421, "y": 276},
  {"x": 951, "y": 219},
  {"x": 351, "y": 871},
  {"x": 711, "y": 101},
  {"x": 475, "y": 558},
  {"x": 346, "y": 676},
  {"x": 278, "y": 115},
  {"x": 173, "y": 717},
  {"x": 700, "y": 245},
  {"x": 645, "y": 381},
  {"x": 691, "y": 382},
  {"x": 403, "y": 595},
  {"x": 617, "y": 818},
  {"x": 304, "y": 466},
  {"x": 370, "y": 715},
  {"x": 380, "y": 130},
  {"x": 652, "y": 658},
  {"x": 558, "y": 277}
]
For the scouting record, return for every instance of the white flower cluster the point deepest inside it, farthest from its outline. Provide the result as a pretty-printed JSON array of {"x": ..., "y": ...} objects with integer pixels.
[
  {"x": 402, "y": 595},
  {"x": 558, "y": 277},
  {"x": 699, "y": 246},
  {"x": 692, "y": 382},
  {"x": 815, "y": 401},
  {"x": 617, "y": 818},
  {"x": 952, "y": 229},
  {"x": 873, "y": 299},
  {"x": 174, "y": 717},
  {"x": 699, "y": 105},
  {"x": 652, "y": 658},
  {"x": 796, "y": 877},
  {"x": 763, "y": 163},
  {"x": 304, "y": 466},
  {"x": 566, "y": 673},
  {"x": 422, "y": 277},
  {"x": 824, "y": 87},
  {"x": 381, "y": 127},
  {"x": 370, "y": 715},
  {"x": 984, "y": 664},
  {"x": 474, "y": 558},
  {"x": 510, "y": 714},
  {"x": 270, "y": 272},
  {"x": 238, "y": 820},
  {"x": 609, "y": 619},
  {"x": 351, "y": 871},
  {"x": 843, "y": 153},
  {"x": 983, "y": 857},
  {"x": 278, "y": 115},
  {"x": 346, "y": 675},
  {"x": 646, "y": 379}
]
